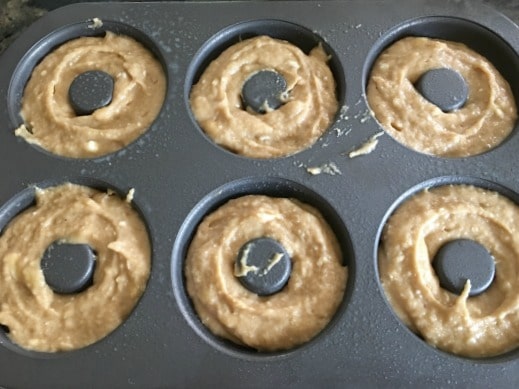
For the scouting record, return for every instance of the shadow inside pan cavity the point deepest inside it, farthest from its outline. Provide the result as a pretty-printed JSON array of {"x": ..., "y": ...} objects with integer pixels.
[
  {"x": 265, "y": 90},
  {"x": 445, "y": 87},
  {"x": 271, "y": 272},
  {"x": 90, "y": 90}
]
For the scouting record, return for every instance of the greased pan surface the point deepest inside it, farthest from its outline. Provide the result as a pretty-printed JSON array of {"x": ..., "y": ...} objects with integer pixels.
[{"x": 179, "y": 175}]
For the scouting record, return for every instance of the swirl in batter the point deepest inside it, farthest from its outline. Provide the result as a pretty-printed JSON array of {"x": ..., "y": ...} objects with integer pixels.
[
  {"x": 485, "y": 120},
  {"x": 479, "y": 326},
  {"x": 280, "y": 321},
  {"x": 310, "y": 104},
  {"x": 139, "y": 92},
  {"x": 39, "y": 319}
]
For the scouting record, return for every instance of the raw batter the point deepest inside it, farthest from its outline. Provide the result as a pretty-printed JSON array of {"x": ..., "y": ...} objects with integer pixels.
[
  {"x": 280, "y": 321},
  {"x": 39, "y": 319},
  {"x": 310, "y": 106},
  {"x": 479, "y": 326},
  {"x": 139, "y": 91},
  {"x": 485, "y": 120}
]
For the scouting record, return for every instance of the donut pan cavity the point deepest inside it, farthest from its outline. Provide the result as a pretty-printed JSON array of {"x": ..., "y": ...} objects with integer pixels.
[{"x": 179, "y": 175}]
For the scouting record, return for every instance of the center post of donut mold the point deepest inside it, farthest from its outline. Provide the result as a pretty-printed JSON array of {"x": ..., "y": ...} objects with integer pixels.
[
  {"x": 263, "y": 266},
  {"x": 464, "y": 260},
  {"x": 90, "y": 91},
  {"x": 68, "y": 268},
  {"x": 264, "y": 91},
  {"x": 444, "y": 87}
]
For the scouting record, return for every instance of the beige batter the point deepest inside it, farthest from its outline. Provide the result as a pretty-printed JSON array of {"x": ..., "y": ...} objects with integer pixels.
[
  {"x": 280, "y": 321},
  {"x": 479, "y": 326},
  {"x": 485, "y": 120},
  {"x": 39, "y": 319},
  {"x": 310, "y": 106},
  {"x": 139, "y": 92}
]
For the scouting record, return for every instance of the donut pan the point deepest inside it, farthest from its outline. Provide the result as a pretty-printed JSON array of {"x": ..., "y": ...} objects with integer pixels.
[{"x": 179, "y": 175}]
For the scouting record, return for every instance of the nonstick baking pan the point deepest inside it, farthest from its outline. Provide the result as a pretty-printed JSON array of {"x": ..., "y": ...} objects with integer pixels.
[{"x": 179, "y": 175}]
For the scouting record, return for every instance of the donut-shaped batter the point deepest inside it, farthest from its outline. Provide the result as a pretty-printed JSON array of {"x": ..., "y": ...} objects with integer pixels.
[
  {"x": 485, "y": 120},
  {"x": 139, "y": 91},
  {"x": 477, "y": 326},
  {"x": 39, "y": 319},
  {"x": 282, "y": 320},
  {"x": 310, "y": 103}
]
